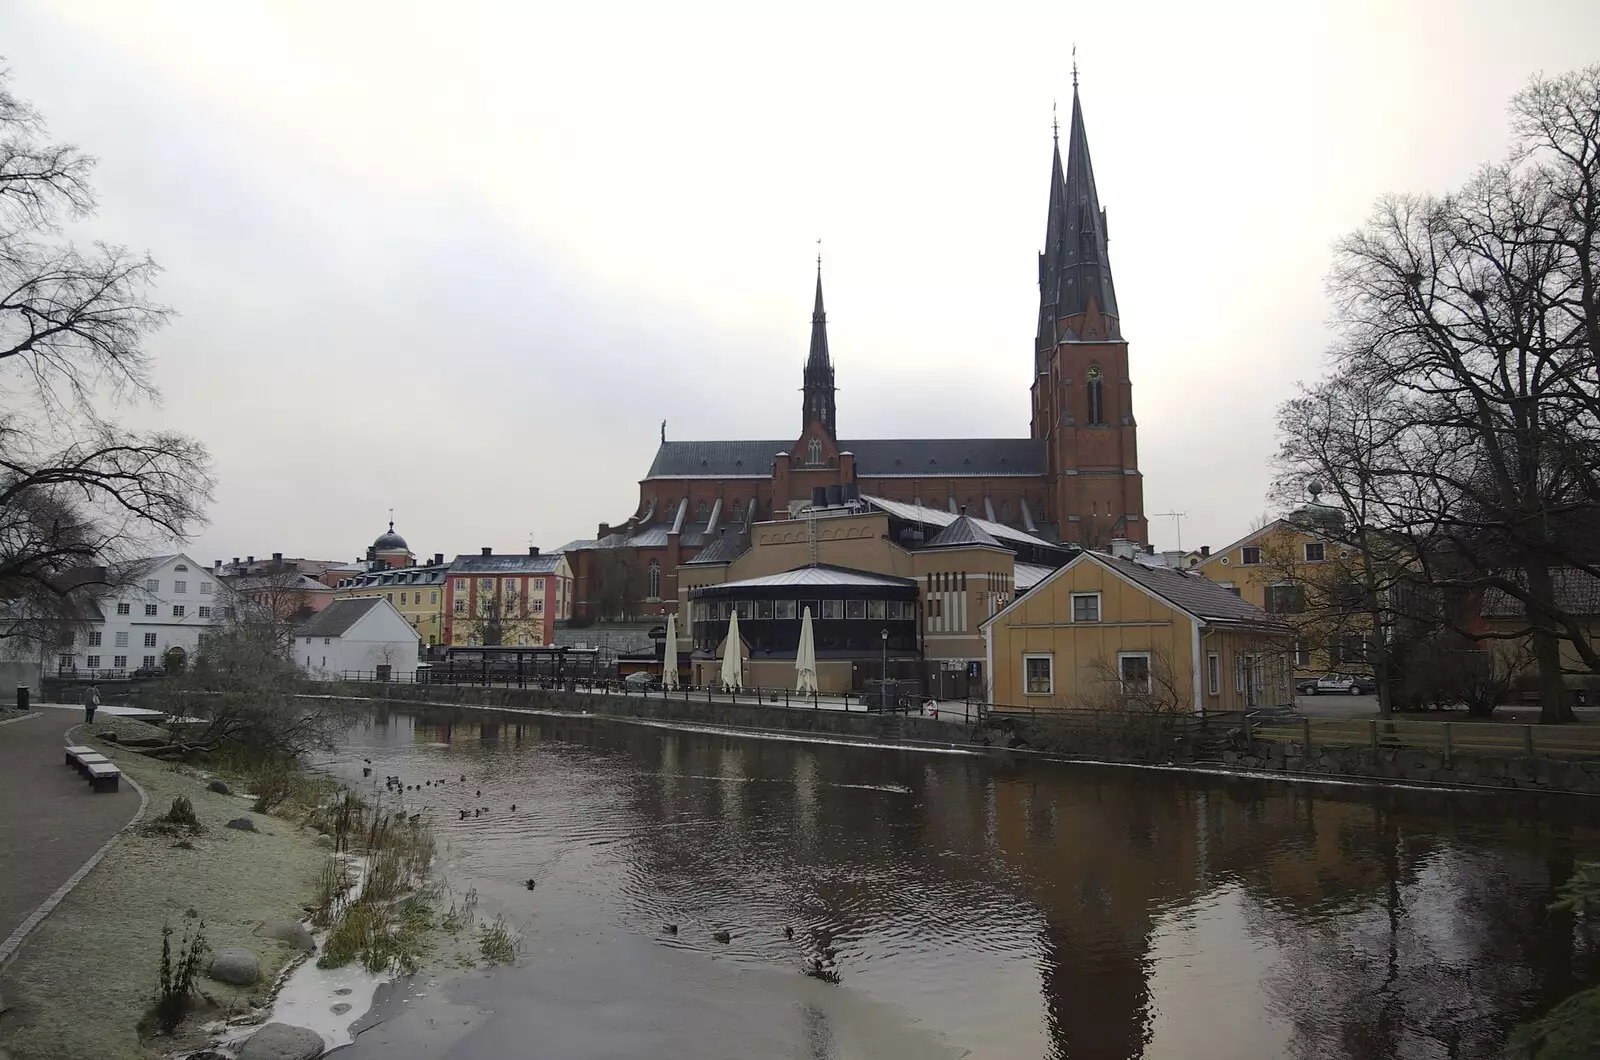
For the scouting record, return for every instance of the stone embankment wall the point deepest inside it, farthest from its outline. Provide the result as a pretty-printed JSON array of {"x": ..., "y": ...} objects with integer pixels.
[
  {"x": 1412, "y": 765},
  {"x": 695, "y": 711}
]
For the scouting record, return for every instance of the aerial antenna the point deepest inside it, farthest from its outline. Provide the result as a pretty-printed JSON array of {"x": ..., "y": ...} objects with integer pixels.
[{"x": 1177, "y": 523}]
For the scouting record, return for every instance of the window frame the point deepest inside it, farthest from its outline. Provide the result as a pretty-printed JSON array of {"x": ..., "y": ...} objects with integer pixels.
[
  {"x": 1214, "y": 673},
  {"x": 177, "y": 611},
  {"x": 1321, "y": 548},
  {"x": 1122, "y": 678},
  {"x": 1245, "y": 552},
  {"x": 124, "y": 608},
  {"x": 1049, "y": 660},
  {"x": 1072, "y": 604}
]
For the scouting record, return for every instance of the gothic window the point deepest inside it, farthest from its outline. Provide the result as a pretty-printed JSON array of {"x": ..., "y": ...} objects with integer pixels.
[
  {"x": 700, "y": 510},
  {"x": 654, "y": 592},
  {"x": 814, "y": 451},
  {"x": 1096, "y": 404}
]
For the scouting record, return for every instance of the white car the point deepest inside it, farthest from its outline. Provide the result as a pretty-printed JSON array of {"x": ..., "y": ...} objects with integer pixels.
[{"x": 1334, "y": 685}]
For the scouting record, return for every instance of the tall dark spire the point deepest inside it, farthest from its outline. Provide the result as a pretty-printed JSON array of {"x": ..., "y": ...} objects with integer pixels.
[
  {"x": 1075, "y": 268},
  {"x": 819, "y": 389}
]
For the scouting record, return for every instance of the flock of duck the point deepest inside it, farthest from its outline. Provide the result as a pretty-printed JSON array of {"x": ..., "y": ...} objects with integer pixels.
[{"x": 823, "y": 964}]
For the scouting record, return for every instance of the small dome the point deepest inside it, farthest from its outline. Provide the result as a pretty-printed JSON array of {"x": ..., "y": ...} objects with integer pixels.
[
  {"x": 1318, "y": 514},
  {"x": 391, "y": 541}
]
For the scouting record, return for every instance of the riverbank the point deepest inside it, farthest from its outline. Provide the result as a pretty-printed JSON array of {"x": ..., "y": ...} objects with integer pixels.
[
  {"x": 1145, "y": 740},
  {"x": 81, "y": 982}
]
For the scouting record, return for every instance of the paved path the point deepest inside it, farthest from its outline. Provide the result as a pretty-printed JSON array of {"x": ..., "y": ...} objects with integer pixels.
[{"x": 50, "y": 822}]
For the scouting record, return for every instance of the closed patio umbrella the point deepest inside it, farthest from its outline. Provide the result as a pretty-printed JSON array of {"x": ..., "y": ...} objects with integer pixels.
[
  {"x": 805, "y": 657},
  {"x": 732, "y": 664},
  {"x": 669, "y": 657}
]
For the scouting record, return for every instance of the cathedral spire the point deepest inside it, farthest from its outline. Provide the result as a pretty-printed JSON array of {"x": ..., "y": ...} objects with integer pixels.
[
  {"x": 819, "y": 389},
  {"x": 1075, "y": 268}
]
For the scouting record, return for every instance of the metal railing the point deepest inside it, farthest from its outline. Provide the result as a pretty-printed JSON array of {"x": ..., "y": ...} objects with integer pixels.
[{"x": 850, "y": 702}]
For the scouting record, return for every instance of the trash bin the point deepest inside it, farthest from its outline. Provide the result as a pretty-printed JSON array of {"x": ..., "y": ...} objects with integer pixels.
[{"x": 22, "y": 697}]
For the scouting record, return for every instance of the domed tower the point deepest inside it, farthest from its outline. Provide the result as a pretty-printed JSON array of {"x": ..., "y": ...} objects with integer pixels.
[{"x": 390, "y": 550}]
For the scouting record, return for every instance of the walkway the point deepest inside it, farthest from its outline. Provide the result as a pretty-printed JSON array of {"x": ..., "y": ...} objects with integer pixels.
[{"x": 50, "y": 822}]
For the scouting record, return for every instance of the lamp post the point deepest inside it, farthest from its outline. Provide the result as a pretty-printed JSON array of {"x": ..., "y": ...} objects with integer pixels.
[{"x": 883, "y": 687}]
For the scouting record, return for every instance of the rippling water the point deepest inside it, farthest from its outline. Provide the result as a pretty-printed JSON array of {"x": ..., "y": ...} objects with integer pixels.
[{"x": 971, "y": 906}]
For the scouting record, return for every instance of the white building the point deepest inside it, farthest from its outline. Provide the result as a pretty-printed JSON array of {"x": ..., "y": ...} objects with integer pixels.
[
  {"x": 153, "y": 616},
  {"x": 357, "y": 636}
]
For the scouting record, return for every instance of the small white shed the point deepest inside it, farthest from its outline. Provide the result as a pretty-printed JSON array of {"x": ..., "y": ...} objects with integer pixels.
[{"x": 360, "y": 636}]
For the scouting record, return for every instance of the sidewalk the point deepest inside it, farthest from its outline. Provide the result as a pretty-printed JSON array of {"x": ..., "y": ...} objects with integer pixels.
[{"x": 50, "y": 822}]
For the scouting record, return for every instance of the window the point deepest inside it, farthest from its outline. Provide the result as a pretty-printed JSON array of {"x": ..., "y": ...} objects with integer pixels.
[
  {"x": 149, "y": 640},
  {"x": 1038, "y": 675},
  {"x": 433, "y": 597},
  {"x": 389, "y": 597},
  {"x": 855, "y": 609},
  {"x": 814, "y": 451},
  {"x": 461, "y": 585},
  {"x": 123, "y": 609},
  {"x": 538, "y": 607},
  {"x": 92, "y": 662},
  {"x": 538, "y": 585},
  {"x": 653, "y": 579},
  {"x": 1214, "y": 673},
  {"x": 205, "y": 588},
  {"x": 180, "y": 587},
  {"x": 122, "y": 639},
  {"x": 177, "y": 610},
  {"x": 783, "y": 609},
  {"x": 763, "y": 609},
  {"x": 742, "y": 609},
  {"x": 204, "y": 612},
  {"x": 1316, "y": 551},
  {"x": 119, "y": 662},
  {"x": 700, "y": 510},
  {"x": 1134, "y": 669},
  {"x": 1096, "y": 405},
  {"x": 181, "y": 568},
  {"x": 1302, "y": 654},
  {"x": 149, "y": 662},
  {"x": 402, "y": 599},
  {"x": 1085, "y": 607},
  {"x": 832, "y": 609},
  {"x": 1286, "y": 599},
  {"x": 1351, "y": 648},
  {"x": 152, "y": 585},
  {"x": 461, "y": 607},
  {"x": 94, "y": 638},
  {"x": 877, "y": 610},
  {"x": 485, "y": 585},
  {"x": 150, "y": 610},
  {"x": 1250, "y": 555},
  {"x": 326, "y": 641}
]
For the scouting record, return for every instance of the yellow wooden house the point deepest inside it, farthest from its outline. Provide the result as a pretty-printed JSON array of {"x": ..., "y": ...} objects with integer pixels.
[{"x": 1107, "y": 633}]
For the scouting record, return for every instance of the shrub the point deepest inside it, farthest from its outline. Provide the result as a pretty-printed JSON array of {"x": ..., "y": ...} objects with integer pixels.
[
  {"x": 182, "y": 814},
  {"x": 498, "y": 942},
  {"x": 175, "y": 980}
]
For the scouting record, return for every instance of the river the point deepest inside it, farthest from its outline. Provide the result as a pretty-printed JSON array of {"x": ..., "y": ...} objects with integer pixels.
[{"x": 974, "y": 906}]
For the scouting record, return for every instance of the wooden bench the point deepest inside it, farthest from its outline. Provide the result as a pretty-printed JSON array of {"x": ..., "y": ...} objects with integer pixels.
[
  {"x": 103, "y": 776},
  {"x": 78, "y": 757}
]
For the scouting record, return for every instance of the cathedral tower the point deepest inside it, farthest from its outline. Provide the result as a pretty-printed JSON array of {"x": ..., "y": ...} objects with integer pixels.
[
  {"x": 819, "y": 389},
  {"x": 1082, "y": 397}
]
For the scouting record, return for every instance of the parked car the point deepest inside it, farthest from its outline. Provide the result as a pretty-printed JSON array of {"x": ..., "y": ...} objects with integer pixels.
[
  {"x": 149, "y": 671},
  {"x": 1338, "y": 685},
  {"x": 641, "y": 681}
]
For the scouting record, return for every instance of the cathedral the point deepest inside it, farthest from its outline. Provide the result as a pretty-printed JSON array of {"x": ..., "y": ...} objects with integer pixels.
[{"x": 1074, "y": 479}]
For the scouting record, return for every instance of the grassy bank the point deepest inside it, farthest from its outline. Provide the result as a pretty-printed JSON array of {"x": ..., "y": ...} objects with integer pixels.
[{"x": 82, "y": 981}]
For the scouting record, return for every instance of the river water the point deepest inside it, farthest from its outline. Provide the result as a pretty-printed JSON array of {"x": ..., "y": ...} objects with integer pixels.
[{"x": 975, "y": 906}]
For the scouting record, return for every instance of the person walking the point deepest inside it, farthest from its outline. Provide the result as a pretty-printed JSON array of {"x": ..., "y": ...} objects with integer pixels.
[{"x": 91, "y": 700}]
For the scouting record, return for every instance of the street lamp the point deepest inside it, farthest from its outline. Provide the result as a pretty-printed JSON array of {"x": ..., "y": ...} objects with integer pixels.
[{"x": 883, "y": 688}]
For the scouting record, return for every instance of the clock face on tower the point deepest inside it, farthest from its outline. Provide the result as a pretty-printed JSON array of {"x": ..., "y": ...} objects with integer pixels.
[{"x": 1094, "y": 373}]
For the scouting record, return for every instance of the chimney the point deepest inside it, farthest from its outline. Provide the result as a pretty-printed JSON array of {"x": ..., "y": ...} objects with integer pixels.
[
  {"x": 236, "y": 561},
  {"x": 1123, "y": 548},
  {"x": 277, "y": 557},
  {"x": 1205, "y": 551},
  {"x": 487, "y": 551},
  {"x": 216, "y": 564},
  {"x": 249, "y": 559},
  {"x": 604, "y": 530},
  {"x": 533, "y": 550},
  {"x": 1149, "y": 550},
  {"x": 438, "y": 559}
]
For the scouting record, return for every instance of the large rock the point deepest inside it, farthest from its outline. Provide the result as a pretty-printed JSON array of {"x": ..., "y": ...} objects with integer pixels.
[
  {"x": 236, "y": 965},
  {"x": 293, "y": 932},
  {"x": 220, "y": 787},
  {"x": 243, "y": 824},
  {"x": 280, "y": 1041},
  {"x": 324, "y": 840}
]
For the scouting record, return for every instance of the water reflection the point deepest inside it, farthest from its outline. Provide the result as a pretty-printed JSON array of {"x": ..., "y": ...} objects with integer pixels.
[{"x": 1018, "y": 908}]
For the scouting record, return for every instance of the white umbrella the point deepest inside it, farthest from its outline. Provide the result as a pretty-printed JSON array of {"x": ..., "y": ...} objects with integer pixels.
[
  {"x": 805, "y": 658},
  {"x": 732, "y": 664},
  {"x": 669, "y": 657}
]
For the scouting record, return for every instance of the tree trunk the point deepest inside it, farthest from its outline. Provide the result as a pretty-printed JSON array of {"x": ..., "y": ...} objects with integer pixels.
[{"x": 1553, "y": 705}]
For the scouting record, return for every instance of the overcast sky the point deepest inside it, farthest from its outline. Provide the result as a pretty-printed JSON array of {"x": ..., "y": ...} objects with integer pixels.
[{"x": 462, "y": 259}]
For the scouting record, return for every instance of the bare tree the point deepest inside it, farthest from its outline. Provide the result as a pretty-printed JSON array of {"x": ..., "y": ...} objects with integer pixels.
[
  {"x": 617, "y": 583},
  {"x": 503, "y": 617},
  {"x": 1467, "y": 324},
  {"x": 77, "y": 491}
]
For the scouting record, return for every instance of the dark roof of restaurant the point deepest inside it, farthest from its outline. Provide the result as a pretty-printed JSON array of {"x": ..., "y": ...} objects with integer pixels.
[
  {"x": 1577, "y": 592},
  {"x": 821, "y": 574},
  {"x": 336, "y": 619},
  {"x": 875, "y": 457}
]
